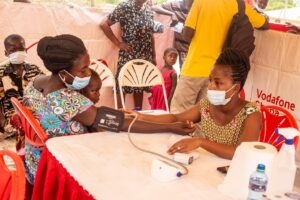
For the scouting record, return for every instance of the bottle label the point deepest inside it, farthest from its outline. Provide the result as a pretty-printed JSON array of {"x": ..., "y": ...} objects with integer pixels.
[{"x": 257, "y": 188}]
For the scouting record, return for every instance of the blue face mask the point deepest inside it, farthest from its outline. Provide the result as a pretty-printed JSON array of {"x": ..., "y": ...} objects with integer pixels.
[{"x": 78, "y": 83}]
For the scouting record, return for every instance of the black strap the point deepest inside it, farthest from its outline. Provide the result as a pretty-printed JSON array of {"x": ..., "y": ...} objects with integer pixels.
[{"x": 241, "y": 8}]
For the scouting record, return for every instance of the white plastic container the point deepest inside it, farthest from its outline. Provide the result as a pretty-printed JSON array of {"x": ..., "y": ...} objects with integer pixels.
[{"x": 284, "y": 167}]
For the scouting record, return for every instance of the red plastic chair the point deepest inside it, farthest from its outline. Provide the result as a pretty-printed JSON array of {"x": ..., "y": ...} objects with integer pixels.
[
  {"x": 274, "y": 117},
  {"x": 34, "y": 133},
  {"x": 12, "y": 182}
]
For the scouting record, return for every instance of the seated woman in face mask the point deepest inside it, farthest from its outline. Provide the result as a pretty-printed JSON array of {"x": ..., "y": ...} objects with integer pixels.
[
  {"x": 56, "y": 102},
  {"x": 225, "y": 120}
]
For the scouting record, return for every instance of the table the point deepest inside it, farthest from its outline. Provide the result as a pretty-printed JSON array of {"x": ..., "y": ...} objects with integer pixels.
[{"x": 106, "y": 166}]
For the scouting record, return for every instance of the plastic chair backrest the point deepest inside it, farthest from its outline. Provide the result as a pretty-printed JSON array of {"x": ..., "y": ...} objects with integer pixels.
[
  {"x": 12, "y": 182},
  {"x": 34, "y": 133},
  {"x": 141, "y": 73},
  {"x": 274, "y": 117},
  {"x": 107, "y": 77}
]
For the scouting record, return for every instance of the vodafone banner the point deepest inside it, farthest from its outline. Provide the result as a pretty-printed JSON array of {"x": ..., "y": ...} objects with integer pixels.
[{"x": 275, "y": 74}]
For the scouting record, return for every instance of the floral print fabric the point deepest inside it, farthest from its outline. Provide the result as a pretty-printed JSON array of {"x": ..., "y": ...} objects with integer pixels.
[
  {"x": 54, "y": 112},
  {"x": 231, "y": 132},
  {"x": 137, "y": 29}
]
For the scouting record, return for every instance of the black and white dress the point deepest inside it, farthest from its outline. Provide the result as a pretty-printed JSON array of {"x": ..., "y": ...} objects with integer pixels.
[{"x": 137, "y": 29}]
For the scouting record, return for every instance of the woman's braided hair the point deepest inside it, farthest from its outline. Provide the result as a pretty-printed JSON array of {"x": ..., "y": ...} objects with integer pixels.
[
  {"x": 238, "y": 62},
  {"x": 60, "y": 52}
]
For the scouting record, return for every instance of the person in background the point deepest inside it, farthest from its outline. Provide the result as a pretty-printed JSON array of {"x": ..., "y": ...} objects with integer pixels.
[
  {"x": 178, "y": 10},
  {"x": 224, "y": 119},
  {"x": 137, "y": 26},
  {"x": 206, "y": 27},
  {"x": 55, "y": 99},
  {"x": 260, "y": 5},
  {"x": 15, "y": 73},
  {"x": 157, "y": 100}
]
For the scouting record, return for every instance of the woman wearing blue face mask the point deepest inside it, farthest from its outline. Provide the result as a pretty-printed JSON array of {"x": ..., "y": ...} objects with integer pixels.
[
  {"x": 225, "y": 120},
  {"x": 56, "y": 102},
  {"x": 53, "y": 99}
]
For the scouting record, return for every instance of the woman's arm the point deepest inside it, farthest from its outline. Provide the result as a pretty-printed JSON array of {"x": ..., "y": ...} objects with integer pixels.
[
  {"x": 174, "y": 84},
  {"x": 251, "y": 131},
  {"x": 88, "y": 117},
  {"x": 181, "y": 128},
  {"x": 192, "y": 114},
  {"x": 105, "y": 26},
  {"x": 189, "y": 144}
]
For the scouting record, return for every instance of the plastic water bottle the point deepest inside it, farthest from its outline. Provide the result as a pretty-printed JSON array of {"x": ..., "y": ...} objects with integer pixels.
[{"x": 258, "y": 183}]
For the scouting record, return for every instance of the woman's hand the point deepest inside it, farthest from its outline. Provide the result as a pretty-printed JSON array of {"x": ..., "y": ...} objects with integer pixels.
[
  {"x": 183, "y": 128},
  {"x": 185, "y": 145},
  {"x": 124, "y": 46}
]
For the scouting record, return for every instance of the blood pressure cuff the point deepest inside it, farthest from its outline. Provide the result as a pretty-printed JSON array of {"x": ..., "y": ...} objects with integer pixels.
[{"x": 109, "y": 119}]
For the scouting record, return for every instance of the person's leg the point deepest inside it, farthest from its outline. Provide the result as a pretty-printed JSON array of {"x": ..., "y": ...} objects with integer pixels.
[
  {"x": 138, "y": 99},
  {"x": 203, "y": 91},
  {"x": 185, "y": 94},
  {"x": 119, "y": 102}
]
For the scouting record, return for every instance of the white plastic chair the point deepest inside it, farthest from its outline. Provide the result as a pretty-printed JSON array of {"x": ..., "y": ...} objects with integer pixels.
[
  {"x": 141, "y": 73},
  {"x": 107, "y": 77}
]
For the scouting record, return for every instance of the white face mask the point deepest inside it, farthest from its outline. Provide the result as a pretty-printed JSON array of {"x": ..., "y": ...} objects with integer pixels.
[
  {"x": 17, "y": 57},
  {"x": 217, "y": 97}
]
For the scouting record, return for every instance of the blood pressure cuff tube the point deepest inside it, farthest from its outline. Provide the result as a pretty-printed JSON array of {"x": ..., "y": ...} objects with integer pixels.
[{"x": 109, "y": 119}]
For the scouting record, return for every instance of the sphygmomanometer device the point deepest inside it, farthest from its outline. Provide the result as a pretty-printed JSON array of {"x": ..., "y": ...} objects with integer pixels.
[
  {"x": 109, "y": 119},
  {"x": 164, "y": 169}
]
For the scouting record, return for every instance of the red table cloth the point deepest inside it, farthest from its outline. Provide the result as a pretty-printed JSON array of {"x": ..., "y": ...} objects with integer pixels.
[{"x": 54, "y": 182}]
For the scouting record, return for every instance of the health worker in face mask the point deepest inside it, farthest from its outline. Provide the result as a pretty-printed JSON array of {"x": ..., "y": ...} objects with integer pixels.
[
  {"x": 15, "y": 73},
  {"x": 224, "y": 119}
]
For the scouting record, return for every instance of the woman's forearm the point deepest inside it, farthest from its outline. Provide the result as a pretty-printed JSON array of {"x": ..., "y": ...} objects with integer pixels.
[
  {"x": 109, "y": 33},
  {"x": 146, "y": 127},
  {"x": 167, "y": 118},
  {"x": 220, "y": 150}
]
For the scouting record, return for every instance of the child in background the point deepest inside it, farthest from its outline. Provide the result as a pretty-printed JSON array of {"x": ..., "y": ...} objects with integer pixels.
[
  {"x": 260, "y": 5},
  {"x": 170, "y": 78}
]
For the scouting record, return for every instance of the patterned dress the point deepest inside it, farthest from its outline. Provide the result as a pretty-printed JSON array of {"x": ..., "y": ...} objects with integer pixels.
[
  {"x": 55, "y": 113},
  {"x": 18, "y": 83},
  {"x": 137, "y": 29},
  {"x": 231, "y": 132}
]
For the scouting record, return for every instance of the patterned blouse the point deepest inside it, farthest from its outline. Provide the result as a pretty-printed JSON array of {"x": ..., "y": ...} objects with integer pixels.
[
  {"x": 231, "y": 132},
  {"x": 18, "y": 83},
  {"x": 54, "y": 112},
  {"x": 137, "y": 29}
]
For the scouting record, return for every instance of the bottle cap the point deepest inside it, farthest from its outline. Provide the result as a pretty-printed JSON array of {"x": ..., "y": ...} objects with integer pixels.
[{"x": 261, "y": 168}]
